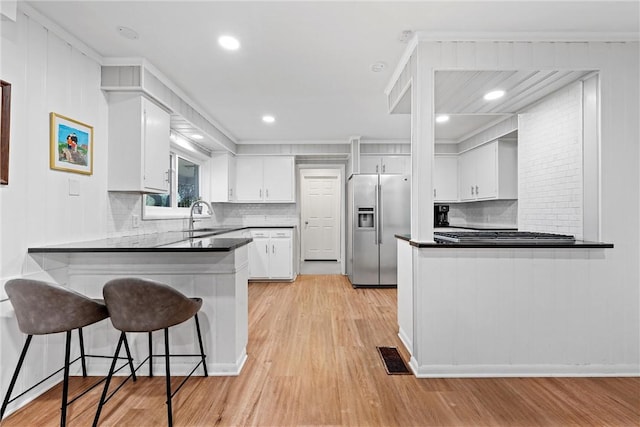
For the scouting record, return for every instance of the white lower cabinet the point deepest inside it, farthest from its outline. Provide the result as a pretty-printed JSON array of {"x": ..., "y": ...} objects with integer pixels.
[{"x": 271, "y": 254}]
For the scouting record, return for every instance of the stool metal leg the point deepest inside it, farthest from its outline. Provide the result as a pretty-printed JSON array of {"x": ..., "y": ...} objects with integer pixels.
[
  {"x": 15, "y": 375},
  {"x": 129, "y": 358},
  {"x": 150, "y": 355},
  {"x": 108, "y": 381},
  {"x": 65, "y": 382},
  {"x": 168, "y": 376},
  {"x": 204, "y": 363},
  {"x": 82, "y": 355}
]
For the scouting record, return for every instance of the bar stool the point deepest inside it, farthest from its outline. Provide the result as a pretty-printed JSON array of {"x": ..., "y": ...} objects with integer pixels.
[
  {"x": 142, "y": 305},
  {"x": 45, "y": 308}
]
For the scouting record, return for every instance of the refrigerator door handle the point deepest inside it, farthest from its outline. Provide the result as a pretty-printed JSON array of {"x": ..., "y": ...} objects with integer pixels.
[
  {"x": 380, "y": 214},
  {"x": 376, "y": 217}
]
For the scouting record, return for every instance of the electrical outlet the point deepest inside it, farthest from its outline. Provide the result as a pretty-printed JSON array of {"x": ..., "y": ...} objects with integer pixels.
[{"x": 135, "y": 221}]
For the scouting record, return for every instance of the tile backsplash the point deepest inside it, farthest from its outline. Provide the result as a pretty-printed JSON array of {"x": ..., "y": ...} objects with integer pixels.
[
  {"x": 123, "y": 206},
  {"x": 500, "y": 213}
]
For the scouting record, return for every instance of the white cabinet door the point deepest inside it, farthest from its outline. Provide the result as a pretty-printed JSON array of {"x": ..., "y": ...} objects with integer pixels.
[
  {"x": 486, "y": 182},
  {"x": 445, "y": 178},
  {"x": 259, "y": 258},
  {"x": 249, "y": 179},
  {"x": 279, "y": 179},
  {"x": 369, "y": 164},
  {"x": 467, "y": 175},
  {"x": 395, "y": 164},
  {"x": 223, "y": 177},
  {"x": 281, "y": 258},
  {"x": 156, "y": 125},
  {"x": 138, "y": 145}
]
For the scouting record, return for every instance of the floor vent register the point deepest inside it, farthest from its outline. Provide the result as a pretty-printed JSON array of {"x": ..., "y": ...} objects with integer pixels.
[{"x": 393, "y": 363}]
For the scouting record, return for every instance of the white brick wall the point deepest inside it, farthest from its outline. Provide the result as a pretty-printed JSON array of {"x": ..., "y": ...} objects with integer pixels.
[{"x": 550, "y": 188}]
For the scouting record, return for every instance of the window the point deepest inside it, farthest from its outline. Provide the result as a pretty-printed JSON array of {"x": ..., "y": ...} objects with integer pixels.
[{"x": 184, "y": 189}]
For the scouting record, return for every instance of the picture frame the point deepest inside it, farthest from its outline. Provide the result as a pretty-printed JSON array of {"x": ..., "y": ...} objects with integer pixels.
[
  {"x": 71, "y": 147},
  {"x": 5, "y": 122}
]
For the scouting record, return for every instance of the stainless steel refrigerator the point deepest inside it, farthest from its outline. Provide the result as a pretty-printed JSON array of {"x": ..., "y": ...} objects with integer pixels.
[{"x": 378, "y": 209}]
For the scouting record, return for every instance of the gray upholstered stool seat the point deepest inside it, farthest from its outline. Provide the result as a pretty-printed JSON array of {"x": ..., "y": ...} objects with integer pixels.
[
  {"x": 142, "y": 305},
  {"x": 44, "y": 308}
]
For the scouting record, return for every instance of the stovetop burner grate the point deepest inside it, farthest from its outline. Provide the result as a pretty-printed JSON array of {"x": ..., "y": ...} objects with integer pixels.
[{"x": 501, "y": 236}]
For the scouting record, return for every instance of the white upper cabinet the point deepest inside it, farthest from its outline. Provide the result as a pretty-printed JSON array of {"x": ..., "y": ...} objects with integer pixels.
[
  {"x": 223, "y": 177},
  {"x": 489, "y": 172},
  {"x": 385, "y": 164},
  {"x": 138, "y": 144},
  {"x": 445, "y": 177},
  {"x": 265, "y": 179}
]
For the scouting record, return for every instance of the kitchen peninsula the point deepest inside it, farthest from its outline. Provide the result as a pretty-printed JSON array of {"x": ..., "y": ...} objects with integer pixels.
[{"x": 198, "y": 264}]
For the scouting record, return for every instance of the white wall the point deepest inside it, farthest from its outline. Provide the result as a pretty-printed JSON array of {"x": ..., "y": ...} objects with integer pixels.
[
  {"x": 550, "y": 173},
  {"x": 47, "y": 75}
]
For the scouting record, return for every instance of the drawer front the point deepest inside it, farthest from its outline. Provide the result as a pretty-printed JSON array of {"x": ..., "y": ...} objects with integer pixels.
[
  {"x": 281, "y": 233},
  {"x": 260, "y": 233}
]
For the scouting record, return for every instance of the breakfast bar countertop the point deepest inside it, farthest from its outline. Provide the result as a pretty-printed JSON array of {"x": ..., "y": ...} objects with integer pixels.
[{"x": 174, "y": 241}]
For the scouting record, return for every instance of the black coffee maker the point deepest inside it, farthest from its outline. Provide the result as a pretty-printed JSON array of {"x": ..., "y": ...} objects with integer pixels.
[{"x": 441, "y": 215}]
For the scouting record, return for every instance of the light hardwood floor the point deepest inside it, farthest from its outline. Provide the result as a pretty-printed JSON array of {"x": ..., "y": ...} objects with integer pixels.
[{"x": 313, "y": 361}]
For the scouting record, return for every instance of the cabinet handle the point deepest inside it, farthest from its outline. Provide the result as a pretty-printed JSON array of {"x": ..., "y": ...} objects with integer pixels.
[
  {"x": 168, "y": 175},
  {"x": 231, "y": 192},
  {"x": 266, "y": 249},
  {"x": 267, "y": 191},
  {"x": 377, "y": 168},
  {"x": 472, "y": 190},
  {"x": 477, "y": 192},
  {"x": 384, "y": 168},
  {"x": 261, "y": 193},
  {"x": 434, "y": 193},
  {"x": 273, "y": 248}
]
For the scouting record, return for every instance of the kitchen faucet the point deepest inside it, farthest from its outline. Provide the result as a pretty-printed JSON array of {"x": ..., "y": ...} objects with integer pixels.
[{"x": 193, "y": 205}]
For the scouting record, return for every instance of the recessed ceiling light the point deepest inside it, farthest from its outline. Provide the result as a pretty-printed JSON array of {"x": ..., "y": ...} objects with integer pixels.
[
  {"x": 197, "y": 136},
  {"x": 127, "y": 33},
  {"x": 442, "y": 118},
  {"x": 268, "y": 119},
  {"x": 378, "y": 66},
  {"x": 495, "y": 94},
  {"x": 229, "y": 42}
]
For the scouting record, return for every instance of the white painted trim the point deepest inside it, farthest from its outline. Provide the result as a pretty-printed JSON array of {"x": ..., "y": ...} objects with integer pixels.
[
  {"x": 385, "y": 141},
  {"x": 486, "y": 371},
  {"x": 523, "y": 36},
  {"x": 404, "y": 60},
  {"x": 292, "y": 142},
  {"x": 59, "y": 31},
  {"x": 403, "y": 91}
]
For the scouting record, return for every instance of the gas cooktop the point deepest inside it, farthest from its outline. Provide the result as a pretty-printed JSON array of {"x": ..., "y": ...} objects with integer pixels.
[{"x": 501, "y": 236}]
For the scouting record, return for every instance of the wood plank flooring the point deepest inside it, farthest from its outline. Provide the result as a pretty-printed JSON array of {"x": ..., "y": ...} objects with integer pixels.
[{"x": 313, "y": 361}]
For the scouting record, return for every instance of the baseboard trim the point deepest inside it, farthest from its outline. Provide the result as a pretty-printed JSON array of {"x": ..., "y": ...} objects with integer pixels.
[{"x": 484, "y": 371}]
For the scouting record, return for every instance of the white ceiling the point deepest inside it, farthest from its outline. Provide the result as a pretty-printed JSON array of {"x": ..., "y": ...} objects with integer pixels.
[{"x": 306, "y": 63}]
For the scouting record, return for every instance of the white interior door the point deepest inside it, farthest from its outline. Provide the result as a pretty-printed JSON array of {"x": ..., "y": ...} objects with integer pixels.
[{"x": 320, "y": 211}]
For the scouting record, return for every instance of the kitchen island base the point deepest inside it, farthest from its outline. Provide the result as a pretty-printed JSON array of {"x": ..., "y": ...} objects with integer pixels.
[
  {"x": 502, "y": 312},
  {"x": 219, "y": 278}
]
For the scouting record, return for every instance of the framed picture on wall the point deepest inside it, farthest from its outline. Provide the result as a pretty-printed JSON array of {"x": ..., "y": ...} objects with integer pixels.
[
  {"x": 5, "y": 120},
  {"x": 71, "y": 145}
]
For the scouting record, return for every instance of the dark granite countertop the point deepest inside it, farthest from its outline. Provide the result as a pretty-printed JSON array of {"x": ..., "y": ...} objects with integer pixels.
[
  {"x": 173, "y": 241},
  {"x": 578, "y": 244}
]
